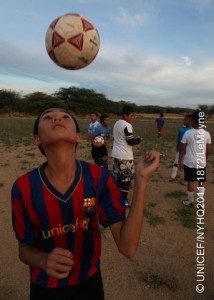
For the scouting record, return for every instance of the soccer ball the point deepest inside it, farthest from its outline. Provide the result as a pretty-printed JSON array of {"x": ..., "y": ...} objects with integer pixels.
[
  {"x": 99, "y": 140},
  {"x": 72, "y": 41}
]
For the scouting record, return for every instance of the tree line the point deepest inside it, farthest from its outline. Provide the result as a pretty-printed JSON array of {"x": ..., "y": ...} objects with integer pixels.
[{"x": 80, "y": 101}]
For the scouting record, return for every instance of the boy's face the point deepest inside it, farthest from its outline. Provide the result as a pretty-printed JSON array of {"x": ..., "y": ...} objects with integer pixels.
[
  {"x": 187, "y": 122},
  {"x": 129, "y": 118},
  {"x": 56, "y": 125},
  {"x": 93, "y": 118},
  {"x": 106, "y": 122}
]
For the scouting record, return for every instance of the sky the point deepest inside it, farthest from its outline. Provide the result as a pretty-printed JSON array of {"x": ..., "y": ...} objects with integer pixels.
[{"x": 152, "y": 52}]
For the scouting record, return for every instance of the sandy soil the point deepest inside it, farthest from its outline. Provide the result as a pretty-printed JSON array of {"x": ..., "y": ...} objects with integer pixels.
[{"x": 166, "y": 254}]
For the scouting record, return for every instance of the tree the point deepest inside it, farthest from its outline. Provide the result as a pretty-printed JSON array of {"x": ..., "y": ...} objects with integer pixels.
[
  {"x": 9, "y": 99},
  {"x": 81, "y": 100},
  {"x": 36, "y": 101},
  {"x": 207, "y": 109}
]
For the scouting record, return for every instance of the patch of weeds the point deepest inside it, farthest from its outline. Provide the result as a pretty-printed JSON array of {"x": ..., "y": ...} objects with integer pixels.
[
  {"x": 155, "y": 180},
  {"x": 169, "y": 166},
  {"x": 156, "y": 280},
  {"x": 81, "y": 146},
  {"x": 26, "y": 144},
  {"x": 1, "y": 184},
  {"x": 152, "y": 204},
  {"x": 160, "y": 175},
  {"x": 153, "y": 219},
  {"x": 25, "y": 162},
  {"x": 175, "y": 194},
  {"x": 5, "y": 165},
  {"x": 30, "y": 154},
  {"x": 186, "y": 216}
]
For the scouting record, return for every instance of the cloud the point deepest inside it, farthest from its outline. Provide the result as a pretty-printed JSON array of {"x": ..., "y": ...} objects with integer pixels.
[
  {"x": 130, "y": 75},
  {"x": 186, "y": 60},
  {"x": 125, "y": 19},
  {"x": 154, "y": 79}
]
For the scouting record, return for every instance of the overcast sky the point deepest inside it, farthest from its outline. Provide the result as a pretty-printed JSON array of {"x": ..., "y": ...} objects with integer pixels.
[{"x": 157, "y": 52}]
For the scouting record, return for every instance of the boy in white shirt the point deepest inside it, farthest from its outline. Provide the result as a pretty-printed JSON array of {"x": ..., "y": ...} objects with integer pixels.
[
  {"x": 195, "y": 150},
  {"x": 122, "y": 153}
]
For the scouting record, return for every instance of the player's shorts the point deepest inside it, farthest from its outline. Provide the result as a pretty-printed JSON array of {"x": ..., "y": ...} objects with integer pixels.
[
  {"x": 160, "y": 129},
  {"x": 91, "y": 288},
  {"x": 123, "y": 170},
  {"x": 193, "y": 174}
]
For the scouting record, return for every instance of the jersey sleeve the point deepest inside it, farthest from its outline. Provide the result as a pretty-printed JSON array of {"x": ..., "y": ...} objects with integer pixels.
[
  {"x": 98, "y": 130},
  {"x": 89, "y": 129},
  {"x": 110, "y": 209},
  {"x": 209, "y": 139},
  {"x": 108, "y": 133},
  {"x": 21, "y": 221},
  {"x": 180, "y": 134},
  {"x": 184, "y": 138},
  {"x": 130, "y": 139}
]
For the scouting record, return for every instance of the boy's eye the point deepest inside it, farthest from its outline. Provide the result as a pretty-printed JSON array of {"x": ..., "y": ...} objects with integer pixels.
[
  {"x": 66, "y": 117},
  {"x": 47, "y": 117}
]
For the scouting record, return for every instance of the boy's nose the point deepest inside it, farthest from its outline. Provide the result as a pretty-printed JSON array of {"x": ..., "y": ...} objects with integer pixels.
[{"x": 57, "y": 119}]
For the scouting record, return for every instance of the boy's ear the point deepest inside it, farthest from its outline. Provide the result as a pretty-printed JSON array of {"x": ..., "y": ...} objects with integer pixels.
[
  {"x": 36, "y": 140},
  {"x": 78, "y": 138}
]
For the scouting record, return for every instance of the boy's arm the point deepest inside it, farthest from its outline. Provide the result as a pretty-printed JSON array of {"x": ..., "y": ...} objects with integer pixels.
[
  {"x": 57, "y": 263},
  {"x": 181, "y": 155},
  {"x": 127, "y": 233},
  {"x": 130, "y": 139},
  {"x": 208, "y": 151},
  {"x": 107, "y": 140}
]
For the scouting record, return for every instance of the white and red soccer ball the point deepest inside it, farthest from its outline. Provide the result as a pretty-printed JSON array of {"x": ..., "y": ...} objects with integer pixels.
[
  {"x": 99, "y": 140},
  {"x": 72, "y": 41}
]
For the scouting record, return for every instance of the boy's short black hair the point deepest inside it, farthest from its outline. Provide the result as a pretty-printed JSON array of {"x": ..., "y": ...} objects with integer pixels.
[
  {"x": 103, "y": 117},
  {"x": 94, "y": 113},
  {"x": 195, "y": 117},
  {"x": 188, "y": 116},
  {"x": 36, "y": 123},
  {"x": 127, "y": 110}
]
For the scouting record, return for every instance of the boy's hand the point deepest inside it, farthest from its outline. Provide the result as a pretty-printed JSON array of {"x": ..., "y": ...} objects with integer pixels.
[
  {"x": 58, "y": 263},
  {"x": 148, "y": 164},
  {"x": 180, "y": 166}
]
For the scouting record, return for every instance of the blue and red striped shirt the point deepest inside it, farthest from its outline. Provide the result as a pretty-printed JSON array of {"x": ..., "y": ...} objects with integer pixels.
[{"x": 46, "y": 219}]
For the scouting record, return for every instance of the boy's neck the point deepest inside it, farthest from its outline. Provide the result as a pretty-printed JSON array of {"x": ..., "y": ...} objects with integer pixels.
[{"x": 61, "y": 163}]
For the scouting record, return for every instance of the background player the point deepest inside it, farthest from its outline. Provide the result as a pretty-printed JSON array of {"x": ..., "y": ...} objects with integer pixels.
[
  {"x": 160, "y": 124},
  {"x": 186, "y": 126},
  {"x": 122, "y": 153},
  {"x": 195, "y": 150}
]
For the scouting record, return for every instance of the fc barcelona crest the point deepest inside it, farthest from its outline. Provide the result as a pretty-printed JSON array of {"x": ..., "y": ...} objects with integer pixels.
[{"x": 88, "y": 204}]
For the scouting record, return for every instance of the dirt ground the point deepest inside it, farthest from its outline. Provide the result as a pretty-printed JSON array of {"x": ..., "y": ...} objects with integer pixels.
[{"x": 165, "y": 264}]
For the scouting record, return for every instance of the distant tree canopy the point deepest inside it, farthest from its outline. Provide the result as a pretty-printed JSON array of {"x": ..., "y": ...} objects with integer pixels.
[{"x": 81, "y": 101}]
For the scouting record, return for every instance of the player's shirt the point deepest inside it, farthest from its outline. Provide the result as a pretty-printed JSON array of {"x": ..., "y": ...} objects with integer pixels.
[
  {"x": 195, "y": 156},
  {"x": 181, "y": 132},
  {"x": 106, "y": 133},
  {"x": 123, "y": 140},
  {"x": 46, "y": 219},
  {"x": 159, "y": 122},
  {"x": 95, "y": 129},
  {"x": 99, "y": 152}
]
